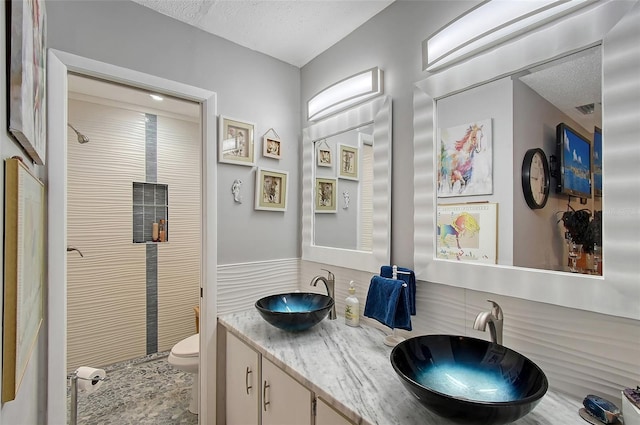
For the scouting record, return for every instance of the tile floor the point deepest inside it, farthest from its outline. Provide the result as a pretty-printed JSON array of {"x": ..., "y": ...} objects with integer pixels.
[{"x": 142, "y": 391}]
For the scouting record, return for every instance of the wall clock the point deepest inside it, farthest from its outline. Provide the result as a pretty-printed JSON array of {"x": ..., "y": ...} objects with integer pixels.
[{"x": 535, "y": 178}]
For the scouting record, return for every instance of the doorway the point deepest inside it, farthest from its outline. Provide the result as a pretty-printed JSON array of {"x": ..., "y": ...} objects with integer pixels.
[{"x": 60, "y": 65}]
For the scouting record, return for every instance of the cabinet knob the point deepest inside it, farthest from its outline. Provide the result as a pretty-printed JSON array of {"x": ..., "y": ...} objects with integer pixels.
[
  {"x": 265, "y": 403},
  {"x": 246, "y": 380}
]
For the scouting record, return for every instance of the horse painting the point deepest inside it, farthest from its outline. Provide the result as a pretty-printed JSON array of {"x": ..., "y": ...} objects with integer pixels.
[
  {"x": 462, "y": 225},
  {"x": 459, "y": 164}
]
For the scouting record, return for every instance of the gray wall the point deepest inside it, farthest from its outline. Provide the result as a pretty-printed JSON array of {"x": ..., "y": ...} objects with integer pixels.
[
  {"x": 392, "y": 41},
  {"x": 492, "y": 100},
  {"x": 534, "y": 123},
  {"x": 251, "y": 87}
]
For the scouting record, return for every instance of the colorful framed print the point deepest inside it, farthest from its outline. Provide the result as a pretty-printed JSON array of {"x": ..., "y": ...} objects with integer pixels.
[
  {"x": 235, "y": 142},
  {"x": 24, "y": 272},
  {"x": 349, "y": 162},
  {"x": 467, "y": 232},
  {"x": 465, "y": 160},
  {"x": 271, "y": 147},
  {"x": 325, "y": 197},
  {"x": 271, "y": 190},
  {"x": 27, "y": 76}
]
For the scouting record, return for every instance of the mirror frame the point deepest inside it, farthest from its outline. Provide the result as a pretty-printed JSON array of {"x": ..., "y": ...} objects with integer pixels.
[
  {"x": 614, "y": 25},
  {"x": 378, "y": 112}
]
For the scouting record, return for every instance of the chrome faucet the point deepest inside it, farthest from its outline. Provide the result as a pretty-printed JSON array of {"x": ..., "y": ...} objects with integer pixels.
[
  {"x": 329, "y": 283},
  {"x": 495, "y": 320}
]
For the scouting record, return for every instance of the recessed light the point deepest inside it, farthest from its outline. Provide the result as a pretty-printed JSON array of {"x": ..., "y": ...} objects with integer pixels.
[{"x": 156, "y": 97}]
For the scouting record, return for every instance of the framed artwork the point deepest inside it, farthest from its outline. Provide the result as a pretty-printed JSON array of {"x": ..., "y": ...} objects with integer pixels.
[
  {"x": 27, "y": 76},
  {"x": 325, "y": 198},
  {"x": 24, "y": 272},
  {"x": 271, "y": 147},
  {"x": 271, "y": 190},
  {"x": 323, "y": 154},
  {"x": 235, "y": 142},
  {"x": 349, "y": 162},
  {"x": 465, "y": 160},
  {"x": 467, "y": 232}
]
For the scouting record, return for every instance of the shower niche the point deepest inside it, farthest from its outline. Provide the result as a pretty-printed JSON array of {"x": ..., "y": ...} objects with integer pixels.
[{"x": 150, "y": 212}]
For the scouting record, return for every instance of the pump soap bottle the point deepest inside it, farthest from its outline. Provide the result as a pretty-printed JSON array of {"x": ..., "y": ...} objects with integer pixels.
[{"x": 352, "y": 307}]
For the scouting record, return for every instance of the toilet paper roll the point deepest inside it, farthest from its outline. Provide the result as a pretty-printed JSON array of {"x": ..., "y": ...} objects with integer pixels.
[{"x": 89, "y": 379}]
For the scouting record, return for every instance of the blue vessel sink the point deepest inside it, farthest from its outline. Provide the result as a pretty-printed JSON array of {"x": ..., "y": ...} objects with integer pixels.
[
  {"x": 469, "y": 380},
  {"x": 296, "y": 311}
]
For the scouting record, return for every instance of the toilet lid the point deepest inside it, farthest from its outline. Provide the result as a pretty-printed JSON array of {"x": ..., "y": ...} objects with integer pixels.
[{"x": 188, "y": 347}]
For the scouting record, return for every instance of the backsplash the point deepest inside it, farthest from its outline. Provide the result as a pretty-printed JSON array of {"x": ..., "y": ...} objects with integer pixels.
[{"x": 580, "y": 352}]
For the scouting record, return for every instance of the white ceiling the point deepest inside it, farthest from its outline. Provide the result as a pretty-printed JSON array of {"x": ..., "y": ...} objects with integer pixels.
[
  {"x": 572, "y": 81},
  {"x": 294, "y": 31}
]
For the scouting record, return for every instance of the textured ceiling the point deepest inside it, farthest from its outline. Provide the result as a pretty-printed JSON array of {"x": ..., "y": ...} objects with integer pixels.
[
  {"x": 571, "y": 82},
  {"x": 294, "y": 31}
]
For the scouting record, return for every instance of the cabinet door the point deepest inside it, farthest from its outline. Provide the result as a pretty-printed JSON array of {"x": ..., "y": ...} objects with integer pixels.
[
  {"x": 284, "y": 400},
  {"x": 326, "y": 415},
  {"x": 243, "y": 383}
]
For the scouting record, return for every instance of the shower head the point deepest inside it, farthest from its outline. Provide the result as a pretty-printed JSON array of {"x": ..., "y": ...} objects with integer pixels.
[{"x": 81, "y": 137}]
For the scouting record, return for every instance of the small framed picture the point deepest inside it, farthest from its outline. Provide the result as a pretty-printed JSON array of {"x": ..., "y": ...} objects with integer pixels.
[
  {"x": 348, "y": 162},
  {"x": 325, "y": 198},
  {"x": 235, "y": 142},
  {"x": 271, "y": 147},
  {"x": 323, "y": 153},
  {"x": 271, "y": 190},
  {"x": 468, "y": 232}
]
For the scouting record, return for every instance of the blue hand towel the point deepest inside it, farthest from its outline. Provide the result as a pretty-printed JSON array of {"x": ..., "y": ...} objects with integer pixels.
[
  {"x": 388, "y": 303},
  {"x": 410, "y": 279}
]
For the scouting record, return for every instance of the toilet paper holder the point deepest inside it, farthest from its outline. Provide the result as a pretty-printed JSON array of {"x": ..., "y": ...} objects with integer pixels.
[{"x": 73, "y": 420}]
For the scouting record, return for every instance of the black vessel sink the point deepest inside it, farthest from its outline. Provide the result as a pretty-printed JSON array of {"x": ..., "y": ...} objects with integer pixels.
[
  {"x": 469, "y": 380},
  {"x": 296, "y": 311}
]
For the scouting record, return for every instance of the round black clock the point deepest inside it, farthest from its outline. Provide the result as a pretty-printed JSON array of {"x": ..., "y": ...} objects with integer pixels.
[{"x": 535, "y": 178}]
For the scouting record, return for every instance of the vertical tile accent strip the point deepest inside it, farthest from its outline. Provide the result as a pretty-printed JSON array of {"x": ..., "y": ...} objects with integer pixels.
[
  {"x": 152, "y": 298},
  {"x": 151, "y": 170},
  {"x": 151, "y": 148}
]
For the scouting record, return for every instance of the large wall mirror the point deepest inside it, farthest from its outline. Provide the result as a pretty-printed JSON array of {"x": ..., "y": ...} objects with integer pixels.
[
  {"x": 345, "y": 222},
  {"x": 530, "y": 261}
]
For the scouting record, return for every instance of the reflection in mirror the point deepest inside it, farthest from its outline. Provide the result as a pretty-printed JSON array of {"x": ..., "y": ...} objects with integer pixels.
[
  {"x": 611, "y": 25},
  {"x": 483, "y": 135},
  {"x": 345, "y": 222},
  {"x": 348, "y": 223}
]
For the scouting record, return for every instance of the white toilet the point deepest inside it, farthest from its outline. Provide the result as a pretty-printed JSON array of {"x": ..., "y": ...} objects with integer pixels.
[{"x": 185, "y": 356}]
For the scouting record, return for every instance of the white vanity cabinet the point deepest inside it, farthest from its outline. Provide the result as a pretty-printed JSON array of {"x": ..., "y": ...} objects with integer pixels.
[
  {"x": 243, "y": 383},
  {"x": 284, "y": 400},
  {"x": 327, "y": 415},
  {"x": 259, "y": 392}
]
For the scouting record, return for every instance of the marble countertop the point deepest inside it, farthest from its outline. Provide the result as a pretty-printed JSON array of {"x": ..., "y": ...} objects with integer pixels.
[{"x": 350, "y": 369}]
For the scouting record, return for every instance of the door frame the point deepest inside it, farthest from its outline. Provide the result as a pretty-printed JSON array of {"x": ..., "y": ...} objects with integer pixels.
[{"x": 59, "y": 64}]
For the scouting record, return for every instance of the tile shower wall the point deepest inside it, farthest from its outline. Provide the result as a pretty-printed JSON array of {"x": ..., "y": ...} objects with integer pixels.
[{"x": 128, "y": 299}]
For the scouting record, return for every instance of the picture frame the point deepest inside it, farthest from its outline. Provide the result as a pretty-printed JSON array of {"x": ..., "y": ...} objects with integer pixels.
[
  {"x": 24, "y": 273},
  {"x": 325, "y": 195},
  {"x": 465, "y": 159},
  {"x": 236, "y": 142},
  {"x": 349, "y": 162},
  {"x": 271, "y": 147},
  {"x": 467, "y": 232},
  {"x": 324, "y": 157},
  {"x": 271, "y": 190},
  {"x": 27, "y": 76}
]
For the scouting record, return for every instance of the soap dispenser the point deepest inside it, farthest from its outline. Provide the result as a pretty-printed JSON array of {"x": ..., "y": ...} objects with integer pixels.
[{"x": 352, "y": 307}]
